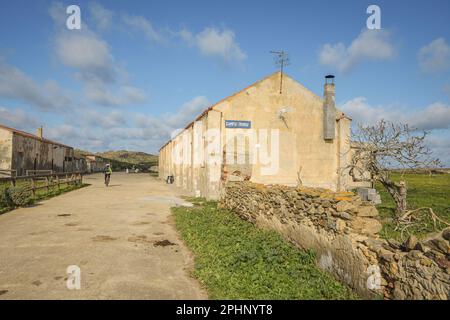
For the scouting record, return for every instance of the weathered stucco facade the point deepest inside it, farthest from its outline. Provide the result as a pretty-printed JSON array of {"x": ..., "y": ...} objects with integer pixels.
[
  {"x": 308, "y": 141},
  {"x": 21, "y": 152}
]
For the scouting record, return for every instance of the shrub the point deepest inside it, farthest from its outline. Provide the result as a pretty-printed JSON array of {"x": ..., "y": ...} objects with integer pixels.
[
  {"x": 5, "y": 199},
  {"x": 21, "y": 196},
  {"x": 15, "y": 197}
]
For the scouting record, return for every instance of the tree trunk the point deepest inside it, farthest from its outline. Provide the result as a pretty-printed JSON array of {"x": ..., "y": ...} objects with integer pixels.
[{"x": 398, "y": 193}]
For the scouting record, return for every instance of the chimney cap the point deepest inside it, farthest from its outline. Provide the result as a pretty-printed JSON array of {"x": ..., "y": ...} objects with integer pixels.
[{"x": 329, "y": 77}]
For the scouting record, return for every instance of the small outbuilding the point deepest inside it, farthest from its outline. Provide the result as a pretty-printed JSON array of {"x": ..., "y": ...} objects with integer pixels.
[{"x": 23, "y": 153}]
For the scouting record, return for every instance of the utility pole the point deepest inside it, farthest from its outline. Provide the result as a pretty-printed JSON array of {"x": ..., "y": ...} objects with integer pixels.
[{"x": 281, "y": 60}]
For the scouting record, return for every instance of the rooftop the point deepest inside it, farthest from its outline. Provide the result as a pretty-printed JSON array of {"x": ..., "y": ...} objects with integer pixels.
[{"x": 33, "y": 136}]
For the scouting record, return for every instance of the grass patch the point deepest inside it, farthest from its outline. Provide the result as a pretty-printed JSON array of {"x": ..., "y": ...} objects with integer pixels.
[
  {"x": 236, "y": 260},
  {"x": 41, "y": 194},
  {"x": 422, "y": 191}
]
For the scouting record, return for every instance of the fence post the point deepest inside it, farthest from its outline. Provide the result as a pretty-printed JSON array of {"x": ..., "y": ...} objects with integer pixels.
[
  {"x": 33, "y": 188},
  {"x": 57, "y": 182}
]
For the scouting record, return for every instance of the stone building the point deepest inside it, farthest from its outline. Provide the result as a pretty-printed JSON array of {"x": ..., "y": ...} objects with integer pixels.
[
  {"x": 271, "y": 132},
  {"x": 23, "y": 153},
  {"x": 94, "y": 163}
]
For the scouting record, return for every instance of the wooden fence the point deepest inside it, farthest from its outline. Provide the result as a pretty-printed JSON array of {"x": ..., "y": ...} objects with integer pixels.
[
  {"x": 8, "y": 173},
  {"x": 45, "y": 181}
]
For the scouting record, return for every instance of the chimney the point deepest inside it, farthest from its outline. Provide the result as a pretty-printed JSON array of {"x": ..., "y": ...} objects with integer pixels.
[
  {"x": 329, "y": 109},
  {"x": 40, "y": 132}
]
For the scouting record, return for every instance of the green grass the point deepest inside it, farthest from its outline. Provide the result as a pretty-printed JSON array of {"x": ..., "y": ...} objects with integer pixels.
[
  {"x": 422, "y": 191},
  {"x": 236, "y": 260},
  {"x": 42, "y": 194}
]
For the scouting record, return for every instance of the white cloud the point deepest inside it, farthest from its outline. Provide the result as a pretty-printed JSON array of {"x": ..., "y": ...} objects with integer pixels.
[
  {"x": 433, "y": 116},
  {"x": 143, "y": 25},
  {"x": 369, "y": 45},
  {"x": 188, "y": 112},
  {"x": 84, "y": 51},
  {"x": 133, "y": 94},
  {"x": 361, "y": 112},
  {"x": 15, "y": 84},
  {"x": 440, "y": 145},
  {"x": 118, "y": 129},
  {"x": 98, "y": 93},
  {"x": 18, "y": 119},
  {"x": 102, "y": 16},
  {"x": 58, "y": 13},
  {"x": 215, "y": 43},
  {"x": 435, "y": 56},
  {"x": 104, "y": 120}
]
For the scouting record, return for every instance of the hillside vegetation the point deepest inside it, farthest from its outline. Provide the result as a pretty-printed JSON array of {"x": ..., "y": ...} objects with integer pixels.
[
  {"x": 123, "y": 159},
  {"x": 133, "y": 157}
]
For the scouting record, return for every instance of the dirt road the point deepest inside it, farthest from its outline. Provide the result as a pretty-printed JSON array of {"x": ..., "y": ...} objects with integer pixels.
[{"x": 116, "y": 236}]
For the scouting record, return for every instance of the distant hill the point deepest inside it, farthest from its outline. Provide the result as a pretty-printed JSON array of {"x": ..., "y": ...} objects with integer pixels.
[
  {"x": 125, "y": 159},
  {"x": 133, "y": 157}
]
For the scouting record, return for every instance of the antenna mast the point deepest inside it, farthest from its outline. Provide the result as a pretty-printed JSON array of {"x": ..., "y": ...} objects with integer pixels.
[{"x": 281, "y": 60}]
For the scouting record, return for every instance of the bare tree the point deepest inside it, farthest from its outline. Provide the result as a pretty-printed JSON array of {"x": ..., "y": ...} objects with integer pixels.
[{"x": 384, "y": 146}]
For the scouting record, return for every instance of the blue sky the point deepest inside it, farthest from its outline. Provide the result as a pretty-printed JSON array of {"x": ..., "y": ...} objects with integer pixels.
[{"x": 137, "y": 70}]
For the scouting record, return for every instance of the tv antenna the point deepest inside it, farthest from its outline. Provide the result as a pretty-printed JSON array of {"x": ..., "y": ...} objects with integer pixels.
[{"x": 281, "y": 60}]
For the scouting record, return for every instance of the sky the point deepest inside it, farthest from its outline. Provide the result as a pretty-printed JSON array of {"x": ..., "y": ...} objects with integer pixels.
[{"x": 138, "y": 70}]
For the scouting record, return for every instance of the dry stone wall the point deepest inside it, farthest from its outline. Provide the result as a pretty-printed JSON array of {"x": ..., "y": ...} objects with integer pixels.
[{"x": 343, "y": 231}]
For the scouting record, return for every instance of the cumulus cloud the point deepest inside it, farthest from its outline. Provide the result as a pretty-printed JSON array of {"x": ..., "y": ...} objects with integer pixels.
[
  {"x": 440, "y": 145},
  {"x": 104, "y": 120},
  {"x": 369, "y": 45},
  {"x": 98, "y": 93},
  {"x": 102, "y": 17},
  {"x": 15, "y": 84},
  {"x": 433, "y": 116},
  {"x": 91, "y": 58},
  {"x": 18, "y": 118},
  {"x": 435, "y": 56},
  {"x": 213, "y": 42},
  {"x": 188, "y": 112},
  {"x": 92, "y": 130},
  {"x": 141, "y": 24},
  {"x": 85, "y": 52}
]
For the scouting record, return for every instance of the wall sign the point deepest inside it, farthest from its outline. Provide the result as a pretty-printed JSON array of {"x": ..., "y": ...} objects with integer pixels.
[{"x": 238, "y": 124}]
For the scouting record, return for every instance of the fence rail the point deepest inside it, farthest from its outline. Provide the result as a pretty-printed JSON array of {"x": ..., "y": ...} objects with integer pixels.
[
  {"x": 37, "y": 172},
  {"x": 45, "y": 181},
  {"x": 8, "y": 173}
]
